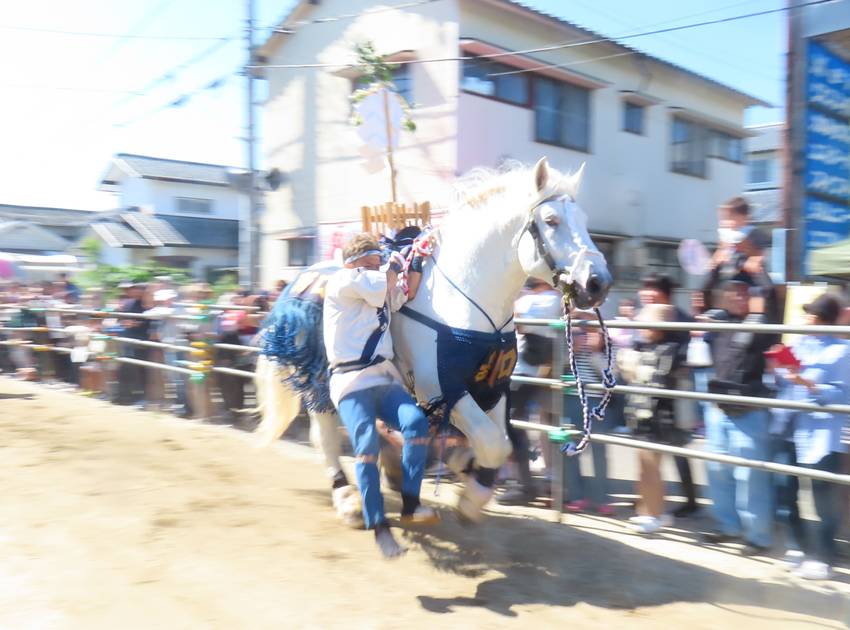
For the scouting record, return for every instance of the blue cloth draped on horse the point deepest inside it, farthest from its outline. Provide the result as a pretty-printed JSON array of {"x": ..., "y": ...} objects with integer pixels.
[{"x": 292, "y": 336}]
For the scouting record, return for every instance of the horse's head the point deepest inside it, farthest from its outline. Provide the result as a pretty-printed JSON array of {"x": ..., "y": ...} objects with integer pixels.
[{"x": 555, "y": 245}]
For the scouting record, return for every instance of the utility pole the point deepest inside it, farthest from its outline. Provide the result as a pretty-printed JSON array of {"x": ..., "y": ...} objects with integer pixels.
[{"x": 252, "y": 240}]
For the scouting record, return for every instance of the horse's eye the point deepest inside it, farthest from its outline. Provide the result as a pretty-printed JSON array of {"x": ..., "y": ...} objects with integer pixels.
[{"x": 553, "y": 220}]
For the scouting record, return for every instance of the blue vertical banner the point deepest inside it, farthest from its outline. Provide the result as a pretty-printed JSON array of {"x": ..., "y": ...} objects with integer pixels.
[{"x": 826, "y": 199}]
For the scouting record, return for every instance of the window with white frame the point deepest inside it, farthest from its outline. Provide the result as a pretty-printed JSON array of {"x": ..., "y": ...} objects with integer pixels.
[
  {"x": 194, "y": 205},
  {"x": 633, "y": 115},
  {"x": 496, "y": 80},
  {"x": 688, "y": 147},
  {"x": 299, "y": 252},
  {"x": 561, "y": 114},
  {"x": 759, "y": 169},
  {"x": 663, "y": 258},
  {"x": 726, "y": 146}
]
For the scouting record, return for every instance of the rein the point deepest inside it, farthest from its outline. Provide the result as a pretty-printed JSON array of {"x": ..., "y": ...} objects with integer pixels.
[{"x": 608, "y": 382}]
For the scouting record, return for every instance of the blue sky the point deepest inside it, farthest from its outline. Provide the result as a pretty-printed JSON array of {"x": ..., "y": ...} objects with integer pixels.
[{"x": 71, "y": 101}]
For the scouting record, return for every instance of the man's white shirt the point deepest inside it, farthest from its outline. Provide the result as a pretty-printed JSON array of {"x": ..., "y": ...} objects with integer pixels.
[{"x": 353, "y": 301}]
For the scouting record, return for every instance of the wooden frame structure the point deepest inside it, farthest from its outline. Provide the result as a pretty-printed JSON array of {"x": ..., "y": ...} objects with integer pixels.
[{"x": 391, "y": 217}]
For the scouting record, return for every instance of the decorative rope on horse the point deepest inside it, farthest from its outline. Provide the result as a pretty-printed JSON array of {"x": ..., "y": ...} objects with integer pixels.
[
  {"x": 608, "y": 382},
  {"x": 422, "y": 247}
]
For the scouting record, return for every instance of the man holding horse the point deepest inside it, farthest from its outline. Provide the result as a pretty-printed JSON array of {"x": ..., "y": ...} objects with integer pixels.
[{"x": 364, "y": 383}]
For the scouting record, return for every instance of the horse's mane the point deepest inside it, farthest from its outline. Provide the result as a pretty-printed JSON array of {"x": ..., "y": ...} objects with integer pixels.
[{"x": 512, "y": 184}]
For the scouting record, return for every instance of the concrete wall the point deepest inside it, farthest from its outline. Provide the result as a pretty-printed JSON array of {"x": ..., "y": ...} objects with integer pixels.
[
  {"x": 628, "y": 188},
  {"x": 307, "y": 129}
]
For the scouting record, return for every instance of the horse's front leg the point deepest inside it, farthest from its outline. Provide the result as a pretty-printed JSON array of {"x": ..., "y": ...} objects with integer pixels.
[
  {"x": 490, "y": 446},
  {"x": 324, "y": 434}
]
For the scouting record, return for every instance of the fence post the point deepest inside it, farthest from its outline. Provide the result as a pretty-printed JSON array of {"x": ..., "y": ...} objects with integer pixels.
[{"x": 558, "y": 365}]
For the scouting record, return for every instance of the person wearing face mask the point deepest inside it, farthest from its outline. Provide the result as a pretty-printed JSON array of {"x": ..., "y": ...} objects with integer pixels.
[{"x": 740, "y": 257}]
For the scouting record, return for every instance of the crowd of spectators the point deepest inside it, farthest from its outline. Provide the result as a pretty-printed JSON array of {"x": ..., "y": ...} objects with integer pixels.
[
  {"x": 157, "y": 311},
  {"x": 754, "y": 508}
]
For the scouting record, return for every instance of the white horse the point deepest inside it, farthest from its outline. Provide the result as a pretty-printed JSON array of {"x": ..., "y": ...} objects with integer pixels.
[{"x": 507, "y": 226}]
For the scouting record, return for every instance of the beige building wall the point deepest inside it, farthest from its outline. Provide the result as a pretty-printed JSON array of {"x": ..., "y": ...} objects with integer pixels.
[
  {"x": 309, "y": 137},
  {"x": 629, "y": 188}
]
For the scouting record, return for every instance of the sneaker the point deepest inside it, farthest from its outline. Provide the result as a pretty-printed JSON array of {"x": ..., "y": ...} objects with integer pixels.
[
  {"x": 518, "y": 495},
  {"x": 422, "y": 515},
  {"x": 686, "y": 510},
  {"x": 577, "y": 506},
  {"x": 606, "y": 510},
  {"x": 793, "y": 558},
  {"x": 649, "y": 526},
  {"x": 640, "y": 518},
  {"x": 814, "y": 570},
  {"x": 715, "y": 538},
  {"x": 751, "y": 550}
]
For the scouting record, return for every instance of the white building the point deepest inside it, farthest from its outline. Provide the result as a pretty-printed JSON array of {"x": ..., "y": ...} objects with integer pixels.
[
  {"x": 764, "y": 172},
  {"x": 662, "y": 144},
  {"x": 179, "y": 214}
]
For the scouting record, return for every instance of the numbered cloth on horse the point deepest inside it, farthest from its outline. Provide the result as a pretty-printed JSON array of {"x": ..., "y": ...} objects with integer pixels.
[
  {"x": 469, "y": 361},
  {"x": 292, "y": 336}
]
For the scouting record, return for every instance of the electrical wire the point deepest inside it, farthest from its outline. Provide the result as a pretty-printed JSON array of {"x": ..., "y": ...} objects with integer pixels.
[
  {"x": 181, "y": 100},
  {"x": 32, "y": 29},
  {"x": 561, "y": 46},
  {"x": 301, "y": 23}
]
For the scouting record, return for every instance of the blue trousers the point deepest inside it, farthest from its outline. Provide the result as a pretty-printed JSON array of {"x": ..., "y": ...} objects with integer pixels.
[
  {"x": 577, "y": 487},
  {"x": 397, "y": 408},
  {"x": 786, "y": 488},
  {"x": 742, "y": 498},
  {"x": 827, "y": 500}
]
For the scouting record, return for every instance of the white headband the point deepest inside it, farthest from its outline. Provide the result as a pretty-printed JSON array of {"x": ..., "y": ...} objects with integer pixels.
[{"x": 354, "y": 257}]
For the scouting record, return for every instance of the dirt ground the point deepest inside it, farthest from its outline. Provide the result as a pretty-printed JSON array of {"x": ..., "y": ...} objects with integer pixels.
[{"x": 116, "y": 518}]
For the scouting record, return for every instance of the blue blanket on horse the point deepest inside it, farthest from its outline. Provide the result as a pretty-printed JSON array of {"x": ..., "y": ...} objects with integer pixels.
[
  {"x": 469, "y": 361},
  {"x": 292, "y": 336}
]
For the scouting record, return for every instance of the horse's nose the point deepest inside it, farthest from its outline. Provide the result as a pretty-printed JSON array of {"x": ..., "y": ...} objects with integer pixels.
[{"x": 598, "y": 285}]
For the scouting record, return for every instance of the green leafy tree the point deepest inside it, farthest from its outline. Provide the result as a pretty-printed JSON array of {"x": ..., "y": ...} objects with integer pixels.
[{"x": 377, "y": 73}]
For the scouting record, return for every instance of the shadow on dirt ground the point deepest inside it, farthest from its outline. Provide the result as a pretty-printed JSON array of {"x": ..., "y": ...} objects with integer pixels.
[{"x": 564, "y": 566}]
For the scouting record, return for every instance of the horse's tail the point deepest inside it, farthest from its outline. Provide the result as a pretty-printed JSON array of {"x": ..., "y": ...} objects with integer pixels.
[{"x": 277, "y": 403}]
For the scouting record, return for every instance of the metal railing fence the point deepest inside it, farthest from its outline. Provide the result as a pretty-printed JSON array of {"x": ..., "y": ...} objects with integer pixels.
[{"x": 555, "y": 433}]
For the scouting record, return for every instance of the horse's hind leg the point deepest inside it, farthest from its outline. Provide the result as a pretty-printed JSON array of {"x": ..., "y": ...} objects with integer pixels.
[{"x": 324, "y": 434}]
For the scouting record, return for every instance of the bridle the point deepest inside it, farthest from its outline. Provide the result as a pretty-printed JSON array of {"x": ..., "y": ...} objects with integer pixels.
[
  {"x": 545, "y": 253},
  {"x": 597, "y": 412}
]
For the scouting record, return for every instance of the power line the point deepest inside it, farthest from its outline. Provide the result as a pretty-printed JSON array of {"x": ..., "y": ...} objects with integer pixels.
[
  {"x": 170, "y": 74},
  {"x": 180, "y": 100},
  {"x": 68, "y": 88},
  {"x": 348, "y": 16},
  {"x": 32, "y": 29},
  {"x": 561, "y": 46},
  {"x": 138, "y": 27}
]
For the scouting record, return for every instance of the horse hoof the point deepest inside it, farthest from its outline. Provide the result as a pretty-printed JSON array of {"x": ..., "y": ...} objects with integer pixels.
[
  {"x": 348, "y": 506},
  {"x": 471, "y": 502}
]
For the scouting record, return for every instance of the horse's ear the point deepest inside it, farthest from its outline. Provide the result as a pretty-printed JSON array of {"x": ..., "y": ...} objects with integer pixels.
[
  {"x": 541, "y": 174},
  {"x": 573, "y": 182}
]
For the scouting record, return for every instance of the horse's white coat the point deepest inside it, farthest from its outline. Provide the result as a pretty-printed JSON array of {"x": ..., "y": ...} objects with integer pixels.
[{"x": 484, "y": 248}]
